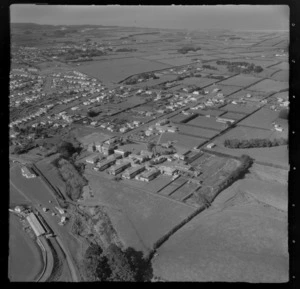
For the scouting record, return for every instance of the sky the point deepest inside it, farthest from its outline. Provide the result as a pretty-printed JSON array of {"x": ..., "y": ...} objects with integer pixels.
[{"x": 236, "y": 17}]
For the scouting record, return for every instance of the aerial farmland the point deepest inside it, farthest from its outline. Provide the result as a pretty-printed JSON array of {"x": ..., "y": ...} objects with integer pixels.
[{"x": 149, "y": 154}]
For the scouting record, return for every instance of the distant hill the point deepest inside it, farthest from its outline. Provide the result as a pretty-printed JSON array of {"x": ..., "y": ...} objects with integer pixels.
[{"x": 51, "y": 27}]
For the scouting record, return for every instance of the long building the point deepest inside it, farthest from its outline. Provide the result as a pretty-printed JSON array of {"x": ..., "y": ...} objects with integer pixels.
[
  {"x": 35, "y": 224},
  {"x": 105, "y": 164},
  {"x": 132, "y": 172},
  {"x": 119, "y": 168}
]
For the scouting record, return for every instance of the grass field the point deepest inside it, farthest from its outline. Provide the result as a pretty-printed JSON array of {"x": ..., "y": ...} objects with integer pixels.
[
  {"x": 196, "y": 131},
  {"x": 225, "y": 89},
  {"x": 241, "y": 132},
  {"x": 182, "y": 141},
  {"x": 282, "y": 65},
  {"x": 175, "y": 61},
  {"x": 211, "y": 112},
  {"x": 207, "y": 122},
  {"x": 263, "y": 118},
  {"x": 273, "y": 155},
  {"x": 199, "y": 81},
  {"x": 237, "y": 239},
  {"x": 233, "y": 115},
  {"x": 93, "y": 137},
  {"x": 269, "y": 85},
  {"x": 240, "y": 80},
  {"x": 140, "y": 218},
  {"x": 246, "y": 109},
  {"x": 258, "y": 95},
  {"x": 282, "y": 75}
]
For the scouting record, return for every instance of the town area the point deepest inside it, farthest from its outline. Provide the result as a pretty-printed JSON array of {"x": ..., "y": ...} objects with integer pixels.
[{"x": 143, "y": 154}]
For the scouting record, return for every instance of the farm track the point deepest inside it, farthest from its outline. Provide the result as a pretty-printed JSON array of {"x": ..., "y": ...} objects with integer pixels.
[{"x": 275, "y": 72}]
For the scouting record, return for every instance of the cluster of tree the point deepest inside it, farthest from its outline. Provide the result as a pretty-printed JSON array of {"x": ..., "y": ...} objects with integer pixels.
[
  {"x": 207, "y": 66},
  {"x": 78, "y": 53},
  {"x": 67, "y": 149},
  {"x": 254, "y": 143},
  {"x": 93, "y": 113},
  {"x": 73, "y": 179},
  {"x": 113, "y": 264},
  {"x": 240, "y": 66},
  {"x": 186, "y": 49},
  {"x": 38, "y": 131},
  {"x": 126, "y": 49},
  {"x": 145, "y": 76}
]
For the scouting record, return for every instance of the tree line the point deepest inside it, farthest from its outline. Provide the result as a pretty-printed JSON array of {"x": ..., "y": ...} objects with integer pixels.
[
  {"x": 240, "y": 66},
  {"x": 254, "y": 143}
]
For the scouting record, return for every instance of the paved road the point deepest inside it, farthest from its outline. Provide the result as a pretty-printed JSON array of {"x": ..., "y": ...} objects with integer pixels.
[{"x": 37, "y": 192}]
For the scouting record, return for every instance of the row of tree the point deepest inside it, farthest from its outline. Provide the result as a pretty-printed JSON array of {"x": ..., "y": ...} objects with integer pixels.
[
  {"x": 186, "y": 49},
  {"x": 240, "y": 66},
  {"x": 207, "y": 66},
  {"x": 254, "y": 143}
]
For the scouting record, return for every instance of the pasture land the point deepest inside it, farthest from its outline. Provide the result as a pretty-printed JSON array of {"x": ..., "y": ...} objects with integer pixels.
[
  {"x": 269, "y": 85},
  {"x": 207, "y": 122},
  {"x": 196, "y": 131},
  {"x": 240, "y": 80},
  {"x": 139, "y": 218},
  {"x": 263, "y": 118},
  {"x": 237, "y": 239}
]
